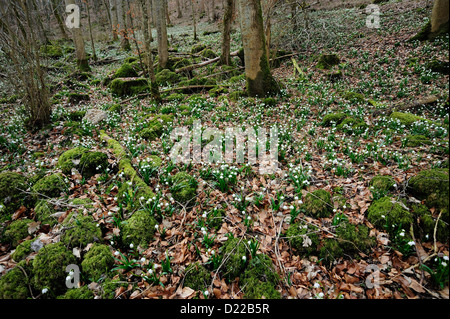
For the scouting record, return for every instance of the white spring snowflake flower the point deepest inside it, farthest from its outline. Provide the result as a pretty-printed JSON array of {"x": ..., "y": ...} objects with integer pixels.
[{"x": 316, "y": 285}]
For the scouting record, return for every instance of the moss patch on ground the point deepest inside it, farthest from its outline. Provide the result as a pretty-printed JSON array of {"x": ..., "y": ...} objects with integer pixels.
[
  {"x": 318, "y": 204},
  {"x": 81, "y": 230},
  {"x": 197, "y": 277},
  {"x": 138, "y": 229},
  {"x": 97, "y": 262}
]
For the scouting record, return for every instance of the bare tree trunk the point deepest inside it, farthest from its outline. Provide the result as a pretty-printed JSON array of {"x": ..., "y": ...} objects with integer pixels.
[
  {"x": 78, "y": 40},
  {"x": 54, "y": 8},
  {"x": 114, "y": 19},
  {"x": 180, "y": 13},
  {"x": 108, "y": 14},
  {"x": 121, "y": 17},
  {"x": 260, "y": 81},
  {"x": 94, "y": 54},
  {"x": 226, "y": 36},
  {"x": 194, "y": 19},
  {"x": 166, "y": 9},
  {"x": 161, "y": 29},
  {"x": 40, "y": 24},
  {"x": 439, "y": 15}
]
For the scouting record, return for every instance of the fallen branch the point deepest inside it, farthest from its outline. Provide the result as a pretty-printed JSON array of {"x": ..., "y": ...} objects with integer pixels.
[{"x": 202, "y": 64}]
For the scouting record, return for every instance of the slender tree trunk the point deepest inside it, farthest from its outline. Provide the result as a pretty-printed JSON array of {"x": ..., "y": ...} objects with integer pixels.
[
  {"x": 180, "y": 13},
  {"x": 54, "y": 8},
  {"x": 161, "y": 28},
  {"x": 114, "y": 19},
  {"x": 77, "y": 36},
  {"x": 121, "y": 17},
  {"x": 194, "y": 19},
  {"x": 166, "y": 9},
  {"x": 40, "y": 24},
  {"x": 94, "y": 54},
  {"x": 260, "y": 81},
  {"x": 226, "y": 36},
  {"x": 439, "y": 15},
  {"x": 108, "y": 14}
]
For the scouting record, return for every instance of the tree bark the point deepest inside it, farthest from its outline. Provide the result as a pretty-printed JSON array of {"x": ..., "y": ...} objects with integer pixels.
[
  {"x": 77, "y": 36},
  {"x": 194, "y": 19},
  {"x": 94, "y": 54},
  {"x": 260, "y": 81},
  {"x": 121, "y": 17},
  {"x": 226, "y": 36},
  {"x": 439, "y": 15},
  {"x": 161, "y": 29},
  {"x": 180, "y": 13},
  {"x": 114, "y": 19},
  {"x": 54, "y": 8}
]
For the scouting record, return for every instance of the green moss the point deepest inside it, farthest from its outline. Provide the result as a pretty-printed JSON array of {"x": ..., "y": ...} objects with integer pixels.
[
  {"x": 22, "y": 251},
  {"x": 208, "y": 53},
  {"x": 387, "y": 213},
  {"x": 270, "y": 101},
  {"x": 264, "y": 84},
  {"x": 350, "y": 240},
  {"x": 167, "y": 77},
  {"x": 126, "y": 71},
  {"x": 406, "y": 119},
  {"x": 115, "y": 108},
  {"x": 11, "y": 198},
  {"x": 155, "y": 128},
  {"x": 333, "y": 118},
  {"x": 97, "y": 262},
  {"x": 77, "y": 115},
  {"x": 303, "y": 237},
  {"x": 427, "y": 222},
  {"x": 354, "y": 97},
  {"x": 76, "y": 98},
  {"x": 49, "y": 267},
  {"x": 327, "y": 61},
  {"x": 198, "y": 48},
  {"x": 431, "y": 185},
  {"x": 122, "y": 88},
  {"x": 197, "y": 277},
  {"x": 260, "y": 279},
  {"x": 17, "y": 231},
  {"x": 81, "y": 230},
  {"x": 138, "y": 229},
  {"x": 318, "y": 203},
  {"x": 233, "y": 263},
  {"x": 50, "y": 186},
  {"x": 417, "y": 140},
  {"x": 175, "y": 97},
  {"x": 438, "y": 66},
  {"x": 92, "y": 163},
  {"x": 15, "y": 284},
  {"x": 352, "y": 124},
  {"x": 215, "y": 92},
  {"x": 235, "y": 96},
  {"x": 51, "y": 51},
  {"x": 181, "y": 64},
  {"x": 66, "y": 160},
  {"x": 382, "y": 182},
  {"x": 184, "y": 187},
  {"x": 78, "y": 293},
  {"x": 109, "y": 287}
]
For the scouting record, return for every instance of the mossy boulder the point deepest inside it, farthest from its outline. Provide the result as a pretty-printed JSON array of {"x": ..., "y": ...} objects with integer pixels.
[
  {"x": 431, "y": 185},
  {"x": 49, "y": 267},
  {"x": 77, "y": 115},
  {"x": 417, "y": 140},
  {"x": 77, "y": 98},
  {"x": 350, "y": 240},
  {"x": 260, "y": 279},
  {"x": 208, "y": 53},
  {"x": 333, "y": 118},
  {"x": 406, "y": 119},
  {"x": 138, "y": 229},
  {"x": 15, "y": 284},
  {"x": 427, "y": 222},
  {"x": 181, "y": 64},
  {"x": 11, "y": 197},
  {"x": 51, "y": 51},
  {"x": 388, "y": 213},
  {"x": 198, "y": 48},
  {"x": 354, "y": 97},
  {"x": 184, "y": 187},
  {"x": 167, "y": 77},
  {"x": 129, "y": 87},
  {"x": 382, "y": 182},
  {"x": 318, "y": 204},
  {"x": 352, "y": 124},
  {"x": 50, "y": 186},
  {"x": 303, "y": 237},
  {"x": 83, "y": 204},
  {"x": 327, "y": 61},
  {"x": 234, "y": 258},
  {"x": 17, "y": 231},
  {"x": 78, "y": 293},
  {"x": 92, "y": 163},
  {"x": 155, "y": 128},
  {"x": 70, "y": 159},
  {"x": 80, "y": 231},
  {"x": 197, "y": 277},
  {"x": 126, "y": 71},
  {"x": 109, "y": 287},
  {"x": 22, "y": 251},
  {"x": 97, "y": 262}
]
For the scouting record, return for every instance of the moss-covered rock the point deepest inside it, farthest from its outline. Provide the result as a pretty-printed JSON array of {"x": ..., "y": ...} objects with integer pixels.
[
  {"x": 15, "y": 284},
  {"x": 51, "y": 51},
  {"x": 354, "y": 97},
  {"x": 349, "y": 241},
  {"x": 49, "y": 267},
  {"x": 97, "y": 262},
  {"x": 197, "y": 277},
  {"x": 208, "y": 53},
  {"x": 70, "y": 159},
  {"x": 22, "y": 251},
  {"x": 11, "y": 197},
  {"x": 352, "y": 124},
  {"x": 77, "y": 115},
  {"x": 303, "y": 237},
  {"x": 138, "y": 229},
  {"x": 234, "y": 258},
  {"x": 417, "y": 140},
  {"x": 78, "y": 293},
  {"x": 77, "y": 98},
  {"x": 260, "y": 279},
  {"x": 17, "y": 231},
  {"x": 438, "y": 66},
  {"x": 184, "y": 187},
  {"x": 382, "y": 182},
  {"x": 406, "y": 119},
  {"x": 81, "y": 230},
  {"x": 318, "y": 204},
  {"x": 153, "y": 131},
  {"x": 431, "y": 185},
  {"x": 167, "y": 77},
  {"x": 50, "y": 186},
  {"x": 198, "y": 48},
  {"x": 92, "y": 163},
  {"x": 43, "y": 211},
  {"x": 126, "y": 71},
  {"x": 130, "y": 87},
  {"x": 327, "y": 61},
  {"x": 333, "y": 118},
  {"x": 427, "y": 222},
  {"x": 388, "y": 214},
  {"x": 109, "y": 287}
]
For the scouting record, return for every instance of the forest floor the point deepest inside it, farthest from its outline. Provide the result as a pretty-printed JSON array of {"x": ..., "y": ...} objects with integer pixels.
[{"x": 385, "y": 90}]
